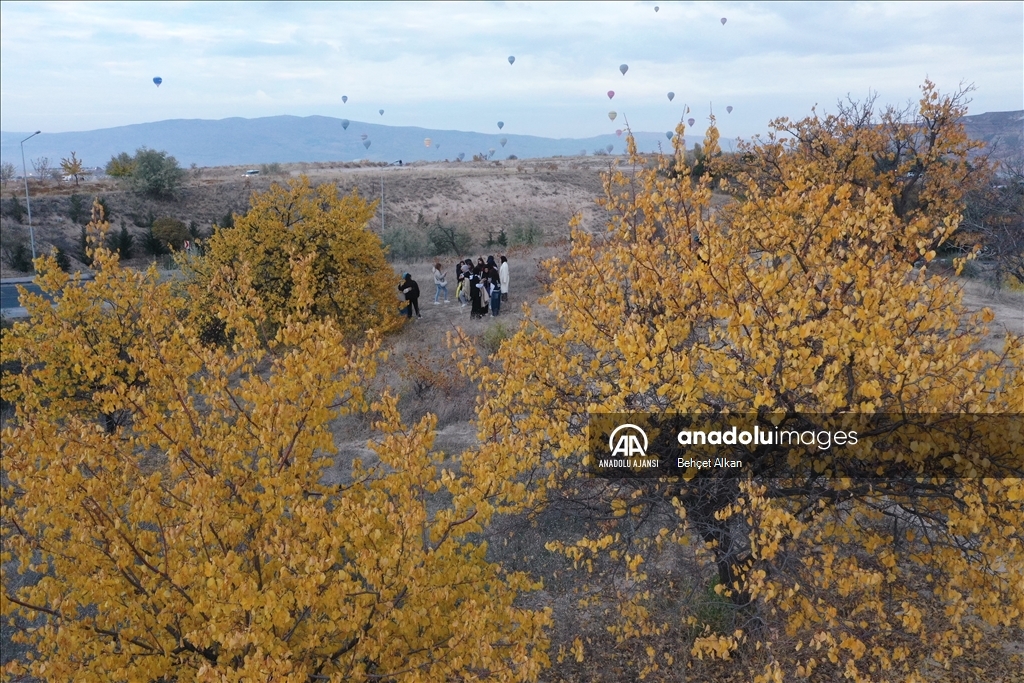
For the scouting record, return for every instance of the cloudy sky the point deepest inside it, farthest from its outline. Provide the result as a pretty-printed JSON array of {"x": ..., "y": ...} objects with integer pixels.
[{"x": 79, "y": 66}]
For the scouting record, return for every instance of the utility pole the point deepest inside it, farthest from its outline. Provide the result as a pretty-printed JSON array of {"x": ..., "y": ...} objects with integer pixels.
[{"x": 28, "y": 203}]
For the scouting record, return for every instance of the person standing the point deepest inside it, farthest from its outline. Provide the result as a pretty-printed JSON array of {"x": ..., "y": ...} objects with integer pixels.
[
  {"x": 464, "y": 295},
  {"x": 411, "y": 290},
  {"x": 503, "y": 278},
  {"x": 440, "y": 284},
  {"x": 495, "y": 295},
  {"x": 474, "y": 284}
]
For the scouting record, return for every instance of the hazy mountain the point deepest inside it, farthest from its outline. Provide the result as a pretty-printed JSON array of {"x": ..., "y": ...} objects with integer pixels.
[
  {"x": 238, "y": 141},
  {"x": 1001, "y": 131},
  {"x": 285, "y": 139}
]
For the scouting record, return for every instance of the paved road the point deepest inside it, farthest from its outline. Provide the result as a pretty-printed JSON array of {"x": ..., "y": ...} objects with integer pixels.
[{"x": 9, "y": 294}]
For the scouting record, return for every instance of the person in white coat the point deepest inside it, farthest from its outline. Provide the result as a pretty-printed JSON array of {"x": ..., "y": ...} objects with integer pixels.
[{"x": 503, "y": 278}]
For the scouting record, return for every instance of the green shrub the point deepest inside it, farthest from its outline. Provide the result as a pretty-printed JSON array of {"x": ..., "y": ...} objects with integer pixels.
[
  {"x": 228, "y": 221},
  {"x": 63, "y": 260},
  {"x": 152, "y": 245},
  {"x": 527, "y": 234},
  {"x": 107, "y": 213},
  {"x": 20, "y": 258},
  {"x": 122, "y": 242},
  {"x": 156, "y": 174},
  {"x": 170, "y": 231},
  {"x": 14, "y": 209},
  {"x": 83, "y": 247},
  {"x": 494, "y": 336},
  {"x": 406, "y": 244},
  {"x": 77, "y": 211}
]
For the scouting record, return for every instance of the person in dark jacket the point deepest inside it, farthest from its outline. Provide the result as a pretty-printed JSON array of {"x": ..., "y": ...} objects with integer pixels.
[
  {"x": 475, "y": 295},
  {"x": 411, "y": 290}
]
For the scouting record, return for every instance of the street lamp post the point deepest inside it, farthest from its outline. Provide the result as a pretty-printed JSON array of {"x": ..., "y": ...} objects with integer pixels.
[{"x": 28, "y": 203}]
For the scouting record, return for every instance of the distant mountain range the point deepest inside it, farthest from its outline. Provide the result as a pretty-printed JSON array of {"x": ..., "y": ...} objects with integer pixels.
[{"x": 284, "y": 139}]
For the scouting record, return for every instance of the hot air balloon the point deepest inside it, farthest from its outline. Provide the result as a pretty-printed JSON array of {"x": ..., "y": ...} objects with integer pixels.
[
  {"x": 462, "y": 155},
  {"x": 363, "y": 136},
  {"x": 490, "y": 152},
  {"x": 611, "y": 94},
  {"x": 656, "y": 8},
  {"x": 669, "y": 134},
  {"x": 511, "y": 59},
  {"x": 618, "y": 133},
  {"x": 729, "y": 109},
  {"x": 503, "y": 141},
  {"x": 610, "y": 148},
  {"x": 690, "y": 122},
  {"x": 723, "y": 21},
  {"x": 344, "y": 123},
  {"x": 344, "y": 99},
  {"x": 158, "y": 81},
  {"x": 583, "y": 152},
  {"x": 671, "y": 96},
  {"x": 501, "y": 124},
  {"x": 382, "y": 112},
  {"x": 612, "y": 115},
  {"x": 623, "y": 68},
  {"x": 426, "y": 142},
  {"x": 366, "y": 144},
  {"x": 437, "y": 145}
]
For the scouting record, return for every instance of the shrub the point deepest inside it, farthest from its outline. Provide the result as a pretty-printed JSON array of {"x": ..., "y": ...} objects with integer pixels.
[
  {"x": 121, "y": 166},
  {"x": 152, "y": 244},
  {"x": 350, "y": 277},
  {"x": 19, "y": 257},
  {"x": 156, "y": 174},
  {"x": 170, "y": 231},
  {"x": 527, "y": 234},
  {"x": 62, "y": 259},
  {"x": 271, "y": 169},
  {"x": 121, "y": 242},
  {"x": 448, "y": 239},
  {"x": 14, "y": 209},
  {"x": 405, "y": 243},
  {"x": 426, "y": 373},
  {"x": 83, "y": 247},
  {"x": 101, "y": 202},
  {"x": 494, "y": 336},
  {"x": 77, "y": 211}
]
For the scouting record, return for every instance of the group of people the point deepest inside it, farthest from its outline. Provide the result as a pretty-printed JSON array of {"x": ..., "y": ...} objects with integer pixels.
[{"x": 483, "y": 285}]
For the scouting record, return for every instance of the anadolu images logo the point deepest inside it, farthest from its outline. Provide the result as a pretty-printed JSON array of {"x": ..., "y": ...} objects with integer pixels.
[{"x": 627, "y": 445}]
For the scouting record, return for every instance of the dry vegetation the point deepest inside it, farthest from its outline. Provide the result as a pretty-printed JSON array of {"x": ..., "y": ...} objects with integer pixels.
[{"x": 481, "y": 198}]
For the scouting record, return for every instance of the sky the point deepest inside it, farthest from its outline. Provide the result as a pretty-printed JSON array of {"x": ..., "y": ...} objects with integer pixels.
[{"x": 68, "y": 66}]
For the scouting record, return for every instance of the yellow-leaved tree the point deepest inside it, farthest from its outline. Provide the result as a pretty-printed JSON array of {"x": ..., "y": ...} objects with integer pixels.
[
  {"x": 810, "y": 295},
  {"x": 195, "y": 539},
  {"x": 351, "y": 280}
]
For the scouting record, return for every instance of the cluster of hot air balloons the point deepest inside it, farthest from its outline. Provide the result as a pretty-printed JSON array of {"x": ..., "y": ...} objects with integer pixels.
[{"x": 612, "y": 115}]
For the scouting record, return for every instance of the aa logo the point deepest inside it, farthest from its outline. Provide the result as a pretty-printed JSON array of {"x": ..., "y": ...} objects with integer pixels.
[{"x": 628, "y": 441}]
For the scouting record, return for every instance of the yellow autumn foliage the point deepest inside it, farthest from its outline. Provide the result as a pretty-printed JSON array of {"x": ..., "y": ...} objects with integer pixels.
[
  {"x": 196, "y": 538},
  {"x": 350, "y": 280},
  {"x": 809, "y": 294}
]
